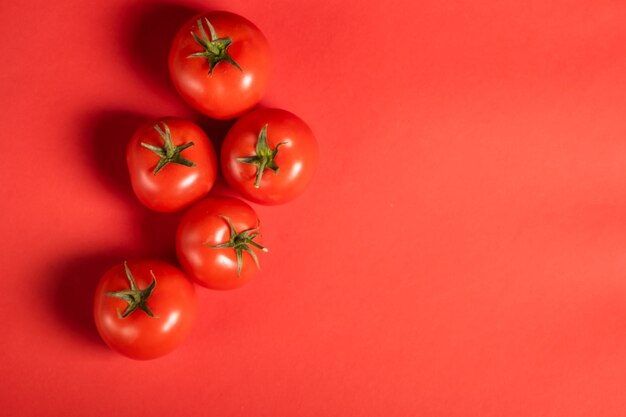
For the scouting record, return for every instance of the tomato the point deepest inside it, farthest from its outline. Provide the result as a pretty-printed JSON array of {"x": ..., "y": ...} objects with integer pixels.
[
  {"x": 220, "y": 64},
  {"x": 144, "y": 309},
  {"x": 217, "y": 242},
  {"x": 269, "y": 156},
  {"x": 171, "y": 163}
]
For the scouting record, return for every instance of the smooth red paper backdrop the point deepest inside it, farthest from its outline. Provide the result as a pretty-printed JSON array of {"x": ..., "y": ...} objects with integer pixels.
[{"x": 461, "y": 251}]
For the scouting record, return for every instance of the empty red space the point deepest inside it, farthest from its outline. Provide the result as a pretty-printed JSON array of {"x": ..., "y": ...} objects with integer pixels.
[{"x": 461, "y": 250}]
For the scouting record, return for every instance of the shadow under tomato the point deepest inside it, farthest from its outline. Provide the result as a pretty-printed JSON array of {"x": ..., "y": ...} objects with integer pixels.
[
  {"x": 158, "y": 230},
  {"x": 158, "y": 234},
  {"x": 217, "y": 130},
  {"x": 74, "y": 282},
  {"x": 147, "y": 31},
  {"x": 108, "y": 133}
]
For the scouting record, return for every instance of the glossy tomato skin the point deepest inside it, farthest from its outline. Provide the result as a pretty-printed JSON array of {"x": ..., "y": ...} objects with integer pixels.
[
  {"x": 227, "y": 92},
  {"x": 139, "y": 336},
  {"x": 175, "y": 186},
  {"x": 296, "y": 158},
  {"x": 201, "y": 225}
]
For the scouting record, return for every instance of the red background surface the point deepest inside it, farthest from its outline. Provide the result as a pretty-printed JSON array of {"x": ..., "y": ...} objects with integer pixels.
[{"x": 461, "y": 251}]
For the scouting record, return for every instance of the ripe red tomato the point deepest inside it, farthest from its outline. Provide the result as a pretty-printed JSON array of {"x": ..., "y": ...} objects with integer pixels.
[
  {"x": 269, "y": 156},
  {"x": 217, "y": 242},
  {"x": 171, "y": 163},
  {"x": 144, "y": 309},
  {"x": 220, "y": 64}
]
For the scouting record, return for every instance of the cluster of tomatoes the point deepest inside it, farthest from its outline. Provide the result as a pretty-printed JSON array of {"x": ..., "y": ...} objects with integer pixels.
[{"x": 220, "y": 64}]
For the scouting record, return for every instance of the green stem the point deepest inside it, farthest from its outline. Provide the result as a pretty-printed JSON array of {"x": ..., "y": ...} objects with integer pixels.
[
  {"x": 169, "y": 152},
  {"x": 241, "y": 242},
  {"x": 215, "y": 49},
  {"x": 264, "y": 158},
  {"x": 135, "y": 297}
]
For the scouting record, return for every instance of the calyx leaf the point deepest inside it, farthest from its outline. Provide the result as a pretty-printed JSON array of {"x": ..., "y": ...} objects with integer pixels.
[
  {"x": 264, "y": 158},
  {"x": 215, "y": 49},
  {"x": 135, "y": 297},
  {"x": 241, "y": 242},
  {"x": 168, "y": 153}
]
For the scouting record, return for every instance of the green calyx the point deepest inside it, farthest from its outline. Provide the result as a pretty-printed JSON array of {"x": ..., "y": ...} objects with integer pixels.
[
  {"x": 215, "y": 49},
  {"x": 168, "y": 153},
  {"x": 135, "y": 297},
  {"x": 264, "y": 158},
  {"x": 241, "y": 242}
]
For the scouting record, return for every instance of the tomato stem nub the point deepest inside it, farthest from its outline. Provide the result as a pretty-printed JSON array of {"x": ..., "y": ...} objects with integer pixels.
[
  {"x": 215, "y": 49},
  {"x": 240, "y": 242},
  {"x": 135, "y": 297},
  {"x": 264, "y": 158},
  {"x": 168, "y": 153}
]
